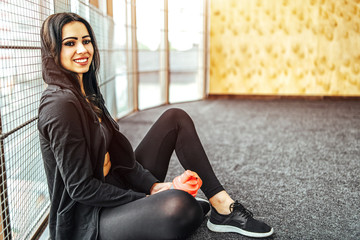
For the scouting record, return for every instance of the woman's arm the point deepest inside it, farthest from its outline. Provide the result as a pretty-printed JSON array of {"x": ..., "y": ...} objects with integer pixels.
[{"x": 61, "y": 123}]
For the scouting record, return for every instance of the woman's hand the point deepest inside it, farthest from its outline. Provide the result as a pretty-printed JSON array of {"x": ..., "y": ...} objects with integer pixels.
[{"x": 159, "y": 187}]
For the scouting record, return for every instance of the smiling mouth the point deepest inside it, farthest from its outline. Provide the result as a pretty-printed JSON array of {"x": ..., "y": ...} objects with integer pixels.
[{"x": 82, "y": 60}]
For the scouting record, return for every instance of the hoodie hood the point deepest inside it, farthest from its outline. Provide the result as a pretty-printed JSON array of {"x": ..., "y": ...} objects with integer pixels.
[{"x": 53, "y": 74}]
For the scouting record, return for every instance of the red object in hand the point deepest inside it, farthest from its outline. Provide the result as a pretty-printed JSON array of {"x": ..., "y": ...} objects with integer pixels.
[{"x": 189, "y": 182}]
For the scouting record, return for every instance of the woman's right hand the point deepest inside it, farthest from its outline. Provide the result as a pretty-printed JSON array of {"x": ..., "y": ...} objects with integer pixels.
[{"x": 159, "y": 187}]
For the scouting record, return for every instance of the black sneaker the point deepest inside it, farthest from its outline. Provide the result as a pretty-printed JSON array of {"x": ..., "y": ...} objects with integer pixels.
[{"x": 240, "y": 220}]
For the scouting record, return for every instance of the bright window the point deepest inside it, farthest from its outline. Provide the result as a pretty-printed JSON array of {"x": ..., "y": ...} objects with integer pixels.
[
  {"x": 186, "y": 37},
  {"x": 149, "y": 23}
]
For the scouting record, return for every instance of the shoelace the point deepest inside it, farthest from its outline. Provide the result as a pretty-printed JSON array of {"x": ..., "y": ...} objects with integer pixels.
[{"x": 238, "y": 207}]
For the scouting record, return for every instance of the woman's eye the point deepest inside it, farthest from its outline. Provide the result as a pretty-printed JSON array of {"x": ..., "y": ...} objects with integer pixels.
[
  {"x": 86, "y": 41},
  {"x": 69, "y": 44}
]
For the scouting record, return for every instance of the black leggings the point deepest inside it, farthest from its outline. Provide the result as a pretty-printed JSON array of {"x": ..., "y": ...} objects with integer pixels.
[{"x": 171, "y": 214}]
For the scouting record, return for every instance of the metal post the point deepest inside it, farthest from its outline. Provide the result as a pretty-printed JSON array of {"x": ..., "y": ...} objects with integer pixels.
[
  {"x": 167, "y": 52},
  {"x": 134, "y": 47},
  {"x": 206, "y": 50}
]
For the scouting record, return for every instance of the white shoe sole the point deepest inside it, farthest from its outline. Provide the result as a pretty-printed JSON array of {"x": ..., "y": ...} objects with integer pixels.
[
  {"x": 224, "y": 228},
  {"x": 201, "y": 199}
]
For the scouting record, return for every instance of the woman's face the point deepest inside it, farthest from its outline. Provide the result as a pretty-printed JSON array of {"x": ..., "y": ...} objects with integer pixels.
[{"x": 76, "y": 50}]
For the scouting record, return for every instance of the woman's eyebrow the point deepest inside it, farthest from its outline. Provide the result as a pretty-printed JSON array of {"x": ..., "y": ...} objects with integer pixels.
[{"x": 75, "y": 38}]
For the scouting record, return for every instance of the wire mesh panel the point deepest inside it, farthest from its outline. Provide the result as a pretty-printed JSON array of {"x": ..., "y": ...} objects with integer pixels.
[
  {"x": 24, "y": 198},
  {"x": 24, "y": 194}
]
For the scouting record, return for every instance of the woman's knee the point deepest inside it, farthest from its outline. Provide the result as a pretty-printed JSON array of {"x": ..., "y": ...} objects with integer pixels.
[
  {"x": 177, "y": 115},
  {"x": 181, "y": 205},
  {"x": 183, "y": 213},
  {"x": 177, "y": 200}
]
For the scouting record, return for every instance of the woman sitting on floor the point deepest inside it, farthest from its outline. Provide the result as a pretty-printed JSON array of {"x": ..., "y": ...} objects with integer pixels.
[{"x": 99, "y": 187}]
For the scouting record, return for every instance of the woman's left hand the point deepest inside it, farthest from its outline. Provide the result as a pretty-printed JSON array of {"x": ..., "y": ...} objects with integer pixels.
[{"x": 159, "y": 187}]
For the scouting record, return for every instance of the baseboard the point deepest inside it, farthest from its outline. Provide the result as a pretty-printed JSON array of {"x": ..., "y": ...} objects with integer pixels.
[{"x": 276, "y": 97}]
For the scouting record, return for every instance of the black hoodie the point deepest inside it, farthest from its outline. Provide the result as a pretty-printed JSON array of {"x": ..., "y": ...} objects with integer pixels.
[{"x": 73, "y": 151}]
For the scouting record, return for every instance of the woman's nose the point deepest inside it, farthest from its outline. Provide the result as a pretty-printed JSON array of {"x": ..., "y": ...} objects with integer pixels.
[{"x": 80, "y": 48}]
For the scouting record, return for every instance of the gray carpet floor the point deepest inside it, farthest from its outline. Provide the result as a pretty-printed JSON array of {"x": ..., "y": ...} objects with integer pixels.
[{"x": 294, "y": 163}]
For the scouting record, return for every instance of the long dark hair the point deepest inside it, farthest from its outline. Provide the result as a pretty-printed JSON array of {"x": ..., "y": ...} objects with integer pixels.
[{"x": 51, "y": 41}]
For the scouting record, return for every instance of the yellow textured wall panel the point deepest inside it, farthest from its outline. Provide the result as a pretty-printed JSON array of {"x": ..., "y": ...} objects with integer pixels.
[{"x": 285, "y": 47}]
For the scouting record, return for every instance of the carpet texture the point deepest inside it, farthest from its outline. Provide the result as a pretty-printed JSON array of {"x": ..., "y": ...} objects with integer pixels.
[{"x": 294, "y": 163}]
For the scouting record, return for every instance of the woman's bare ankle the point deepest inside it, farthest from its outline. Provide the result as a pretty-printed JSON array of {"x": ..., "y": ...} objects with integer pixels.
[{"x": 221, "y": 202}]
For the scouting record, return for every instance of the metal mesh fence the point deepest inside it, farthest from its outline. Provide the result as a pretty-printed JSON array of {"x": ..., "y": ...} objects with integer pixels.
[
  {"x": 24, "y": 196},
  {"x": 23, "y": 188}
]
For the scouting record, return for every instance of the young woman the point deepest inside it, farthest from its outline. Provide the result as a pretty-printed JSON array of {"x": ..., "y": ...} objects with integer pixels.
[{"x": 99, "y": 187}]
